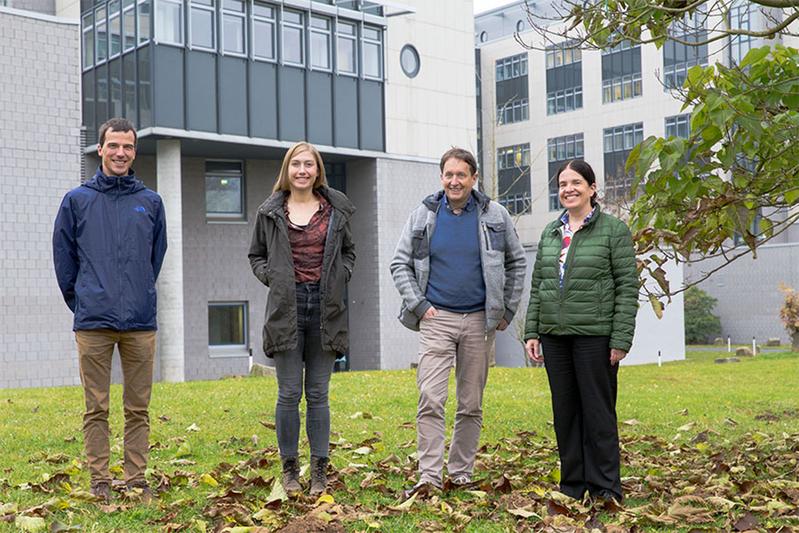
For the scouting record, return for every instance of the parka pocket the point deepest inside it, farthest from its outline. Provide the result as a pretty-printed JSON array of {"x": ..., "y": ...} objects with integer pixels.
[{"x": 495, "y": 236}]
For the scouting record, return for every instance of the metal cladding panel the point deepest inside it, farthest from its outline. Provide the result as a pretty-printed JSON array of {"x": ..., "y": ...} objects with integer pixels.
[
  {"x": 320, "y": 108},
  {"x": 345, "y": 112},
  {"x": 371, "y": 115},
  {"x": 233, "y": 95},
  {"x": 201, "y": 91},
  {"x": 169, "y": 86},
  {"x": 263, "y": 100},
  {"x": 291, "y": 99}
]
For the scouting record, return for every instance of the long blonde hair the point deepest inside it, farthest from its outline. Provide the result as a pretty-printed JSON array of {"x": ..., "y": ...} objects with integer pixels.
[{"x": 283, "y": 183}]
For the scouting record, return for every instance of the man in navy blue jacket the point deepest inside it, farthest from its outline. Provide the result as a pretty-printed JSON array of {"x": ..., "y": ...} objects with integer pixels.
[{"x": 109, "y": 243}]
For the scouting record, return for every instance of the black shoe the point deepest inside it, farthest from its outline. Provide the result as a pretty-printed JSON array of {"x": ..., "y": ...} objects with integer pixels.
[
  {"x": 318, "y": 475},
  {"x": 102, "y": 491},
  {"x": 291, "y": 475},
  {"x": 607, "y": 500}
]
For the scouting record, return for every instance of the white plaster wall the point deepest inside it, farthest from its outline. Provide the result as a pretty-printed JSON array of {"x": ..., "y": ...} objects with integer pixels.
[{"x": 428, "y": 114}]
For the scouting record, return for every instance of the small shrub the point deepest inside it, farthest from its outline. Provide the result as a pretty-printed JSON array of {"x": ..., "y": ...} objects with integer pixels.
[{"x": 700, "y": 322}]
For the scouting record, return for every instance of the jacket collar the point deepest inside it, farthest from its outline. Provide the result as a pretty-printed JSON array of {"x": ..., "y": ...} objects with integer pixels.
[
  {"x": 120, "y": 184},
  {"x": 596, "y": 213},
  {"x": 273, "y": 206},
  {"x": 434, "y": 201}
]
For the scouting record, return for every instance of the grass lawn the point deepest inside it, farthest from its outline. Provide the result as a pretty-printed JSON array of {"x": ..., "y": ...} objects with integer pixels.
[{"x": 704, "y": 445}]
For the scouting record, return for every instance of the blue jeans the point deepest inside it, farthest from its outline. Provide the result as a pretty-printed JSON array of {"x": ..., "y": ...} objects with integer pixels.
[{"x": 318, "y": 365}]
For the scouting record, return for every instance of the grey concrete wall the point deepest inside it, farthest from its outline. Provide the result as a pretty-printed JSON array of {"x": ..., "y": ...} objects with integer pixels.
[
  {"x": 39, "y": 163},
  {"x": 364, "y": 298},
  {"x": 747, "y": 291},
  {"x": 215, "y": 268},
  {"x": 401, "y": 187}
]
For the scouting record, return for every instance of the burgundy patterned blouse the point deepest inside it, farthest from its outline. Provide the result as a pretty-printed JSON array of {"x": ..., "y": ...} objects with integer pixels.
[{"x": 308, "y": 243}]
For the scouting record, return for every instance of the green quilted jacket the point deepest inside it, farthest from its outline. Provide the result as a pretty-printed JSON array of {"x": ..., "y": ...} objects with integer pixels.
[{"x": 600, "y": 286}]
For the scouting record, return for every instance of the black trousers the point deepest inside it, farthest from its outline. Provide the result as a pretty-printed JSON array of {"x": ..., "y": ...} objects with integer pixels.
[{"x": 584, "y": 385}]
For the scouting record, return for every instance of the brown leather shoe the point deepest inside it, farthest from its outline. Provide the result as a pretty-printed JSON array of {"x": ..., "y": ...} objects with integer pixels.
[
  {"x": 139, "y": 490},
  {"x": 102, "y": 491}
]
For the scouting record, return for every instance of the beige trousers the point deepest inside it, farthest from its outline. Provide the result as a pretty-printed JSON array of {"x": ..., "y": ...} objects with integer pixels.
[
  {"x": 446, "y": 340},
  {"x": 137, "y": 352}
]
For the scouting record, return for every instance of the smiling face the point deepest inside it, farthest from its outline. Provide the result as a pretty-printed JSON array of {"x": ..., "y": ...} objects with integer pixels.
[
  {"x": 303, "y": 171},
  {"x": 117, "y": 152},
  {"x": 458, "y": 181},
  {"x": 574, "y": 191}
]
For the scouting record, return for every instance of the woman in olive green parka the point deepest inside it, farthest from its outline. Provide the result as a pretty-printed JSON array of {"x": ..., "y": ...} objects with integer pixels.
[{"x": 581, "y": 321}]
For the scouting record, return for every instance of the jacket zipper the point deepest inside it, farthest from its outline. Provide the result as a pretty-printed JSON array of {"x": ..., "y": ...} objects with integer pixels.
[{"x": 119, "y": 261}]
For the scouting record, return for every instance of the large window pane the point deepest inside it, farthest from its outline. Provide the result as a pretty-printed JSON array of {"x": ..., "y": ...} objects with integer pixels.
[
  {"x": 224, "y": 191},
  {"x": 169, "y": 22},
  {"x": 293, "y": 45},
  {"x": 234, "y": 33},
  {"x": 115, "y": 29},
  {"x": 129, "y": 28},
  {"x": 88, "y": 41},
  {"x": 347, "y": 59},
  {"x": 101, "y": 35},
  {"x": 227, "y": 324},
  {"x": 143, "y": 16},
  {"x": 145, "y": 88},
  {"x": 263, "y": 39},
  {"x": 202, "y": 28},
  {"x": 371, "y": 60}
]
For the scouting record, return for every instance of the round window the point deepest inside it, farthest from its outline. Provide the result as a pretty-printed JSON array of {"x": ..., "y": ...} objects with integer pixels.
[
  {"x": 483, "y": 36},
  {"x": 409, "y": 60},
  {"x": 519, "y": 26}
]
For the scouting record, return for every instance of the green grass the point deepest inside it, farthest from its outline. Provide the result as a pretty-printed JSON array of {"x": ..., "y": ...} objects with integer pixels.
[{"x": 233, "y": 417}]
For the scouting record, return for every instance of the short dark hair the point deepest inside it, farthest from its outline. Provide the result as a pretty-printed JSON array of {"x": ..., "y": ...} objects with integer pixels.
[
  {"x": 117, "y": 124},
  {"x": 583, "y": 169},
  {"x": 459, "y": 153}
]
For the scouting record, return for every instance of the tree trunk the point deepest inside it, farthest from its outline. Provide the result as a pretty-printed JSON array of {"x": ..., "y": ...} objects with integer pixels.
[{"x": 795, "y": 342}]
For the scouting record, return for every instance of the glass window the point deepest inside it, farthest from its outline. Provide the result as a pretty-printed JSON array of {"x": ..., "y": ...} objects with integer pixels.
[
  {"x": 263, "y": 31},
  {"x": 169, "y": 21},
  {"x": 88, "y": 41},
  {"x": 143, "y": 21},
  {"x": 409, "y": 61},
  {"x": 115, "y": 29},
  {"x": 227, "y": 324},
  {"x": 201, "y": 25},
  {"x": 320, "y": 43},
  {"x": 129, "y": 90},
  {"x": 346, "y": 59},
  {"x": 293, "y": 38},
  {"x": 233, "y": 26},
  {"x": 372, "y": 52},
  {"x": 101, "y": 35},
  {"x": 224, "y": 189},
  {"x": 128, "y": 25},
  {"x": 145, "y": 88}
]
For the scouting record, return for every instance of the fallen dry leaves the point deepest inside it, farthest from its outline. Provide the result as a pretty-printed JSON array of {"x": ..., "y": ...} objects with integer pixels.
[{"x": 699, "y": 481}]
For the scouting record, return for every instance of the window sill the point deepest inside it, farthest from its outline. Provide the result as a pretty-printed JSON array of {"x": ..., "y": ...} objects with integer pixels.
[{"x": 215, "y": 352}]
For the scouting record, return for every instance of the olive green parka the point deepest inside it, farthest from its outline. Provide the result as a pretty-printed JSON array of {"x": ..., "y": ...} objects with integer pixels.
[
  {"x": 599, "y": 295},
  {"x": 272, "y": 263}
]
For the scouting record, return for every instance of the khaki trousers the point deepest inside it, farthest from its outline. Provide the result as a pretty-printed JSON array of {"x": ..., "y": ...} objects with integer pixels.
[
  {"x": 448, "y": 339},
  {"x": 137, "y": 352}
]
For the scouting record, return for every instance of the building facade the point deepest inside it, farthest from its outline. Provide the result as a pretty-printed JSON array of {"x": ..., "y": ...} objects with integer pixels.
[
  {"x": 219, "y": 89},
  {"x": 549, "y": 102}
]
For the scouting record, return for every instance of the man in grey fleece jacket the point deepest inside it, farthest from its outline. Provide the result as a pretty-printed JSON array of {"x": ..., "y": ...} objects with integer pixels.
[{"x": 459, "y": 267}]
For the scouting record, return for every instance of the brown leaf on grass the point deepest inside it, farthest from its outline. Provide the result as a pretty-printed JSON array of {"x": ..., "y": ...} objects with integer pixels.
[
  {"x": 267, "y": 425},
  {"x": 690, "y": 509},
  {"x": 746, "y": 522},
  {"x": 164, "y": 418},
  {"x": 407, "y": 425},
  {"x": 555, "y": 508},
  {"x": 767, "y": 416},
  {"x": 631, "y": 422},
  {"x": 501, "y": 485}
]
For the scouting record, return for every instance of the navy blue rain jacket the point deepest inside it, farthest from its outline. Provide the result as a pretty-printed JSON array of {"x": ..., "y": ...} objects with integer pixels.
[{"x": 109, "y": 243}]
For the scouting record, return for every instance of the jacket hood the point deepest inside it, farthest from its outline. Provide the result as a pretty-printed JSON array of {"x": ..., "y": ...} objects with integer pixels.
[
  {"x": 122, "y": 184},
  {"x": 273, "y": 205},
  {"x": 434, "y": 200}
]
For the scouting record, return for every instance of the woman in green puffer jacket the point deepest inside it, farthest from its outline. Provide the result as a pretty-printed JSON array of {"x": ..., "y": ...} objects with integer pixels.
[{"x": 581, "y": 320}]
